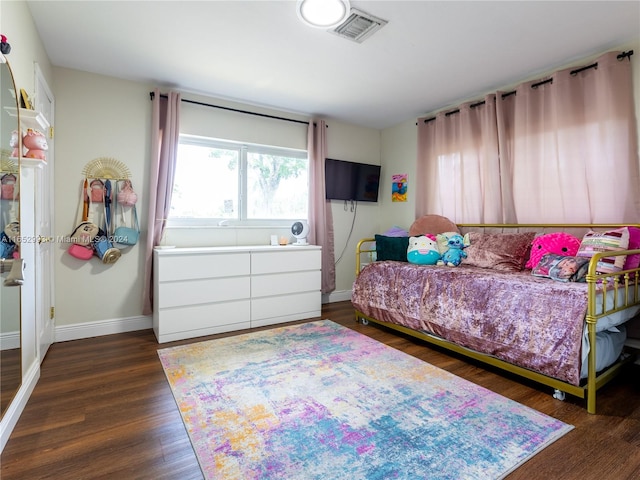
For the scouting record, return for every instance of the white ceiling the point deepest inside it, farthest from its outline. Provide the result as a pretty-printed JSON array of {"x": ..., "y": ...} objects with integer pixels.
[{"x": 430, "y": 54}]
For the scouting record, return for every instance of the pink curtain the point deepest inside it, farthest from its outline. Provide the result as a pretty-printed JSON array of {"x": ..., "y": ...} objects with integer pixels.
[
  {"x": 458, "y": 164},
  {"x": 558, "y": 151},
  {"x": 165, "y": 132},
  {"x": 570, "y": 146},
  {"x": 320, "y": 217}
]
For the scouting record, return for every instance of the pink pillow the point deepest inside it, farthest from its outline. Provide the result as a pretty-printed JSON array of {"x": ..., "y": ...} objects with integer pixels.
[
  {"x": 633, "y": 261},
  {"x": 559, "y": 243},
  {"x": 432, "y": 224}
]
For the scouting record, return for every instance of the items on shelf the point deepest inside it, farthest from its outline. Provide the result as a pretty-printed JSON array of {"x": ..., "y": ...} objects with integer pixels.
[{"x": 36, "y": 144}]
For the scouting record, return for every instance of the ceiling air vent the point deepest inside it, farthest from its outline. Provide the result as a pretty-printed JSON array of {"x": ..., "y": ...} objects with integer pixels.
[{"x": 358, "y": 26}]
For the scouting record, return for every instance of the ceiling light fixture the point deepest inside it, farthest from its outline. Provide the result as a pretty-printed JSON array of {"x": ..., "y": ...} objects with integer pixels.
[{"x": 323, "y": 13}]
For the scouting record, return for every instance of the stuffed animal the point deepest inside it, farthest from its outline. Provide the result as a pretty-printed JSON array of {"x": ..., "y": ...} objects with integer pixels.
[
  {"x": 14, "y": 144},
  {"x": 36, "y": 143},
  {"x": 559, "y": 243},
  {"x": 423, "y": 250},
  {"x": 456, "y": 244}
]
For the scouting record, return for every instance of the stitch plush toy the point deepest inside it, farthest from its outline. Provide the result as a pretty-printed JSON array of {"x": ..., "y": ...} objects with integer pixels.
[
  {"x": 454, "y": 255},
  {"x": 423, "y": 250}
]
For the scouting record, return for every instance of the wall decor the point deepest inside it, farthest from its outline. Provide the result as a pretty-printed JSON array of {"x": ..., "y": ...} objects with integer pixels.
[{"x": 399, "y": 187}]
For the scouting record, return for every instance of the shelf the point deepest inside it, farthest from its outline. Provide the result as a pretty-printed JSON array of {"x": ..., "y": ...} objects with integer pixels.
[
  {"x": 30, "y": 118},
  {"x": 32, "y": 162}
]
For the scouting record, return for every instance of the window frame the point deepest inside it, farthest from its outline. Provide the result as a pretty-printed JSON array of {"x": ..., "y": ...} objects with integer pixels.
[{"x": 243, "y": 149}]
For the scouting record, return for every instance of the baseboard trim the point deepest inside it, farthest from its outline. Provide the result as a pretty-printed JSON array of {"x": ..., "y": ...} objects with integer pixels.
[
  {"x": 9, "y": 340},
  {"x": 336, "y": 296},
  {"x": 78, "y": 331},
  {"x": 11, "y": 416}
]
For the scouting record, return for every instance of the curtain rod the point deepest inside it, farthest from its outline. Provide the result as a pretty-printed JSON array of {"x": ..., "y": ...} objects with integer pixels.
[
  {"x": 621, "y": 56},
  {"x": 152, "y": 94}
]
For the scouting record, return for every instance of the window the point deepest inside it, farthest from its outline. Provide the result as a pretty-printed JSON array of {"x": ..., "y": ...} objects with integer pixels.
[{"x": 221, "y": 182}]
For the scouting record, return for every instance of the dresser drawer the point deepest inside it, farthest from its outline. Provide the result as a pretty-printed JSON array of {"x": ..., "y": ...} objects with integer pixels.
[
  {"x": 286, "y": 260},
  {"x": 286, "y": 308},
  {"x": 283, "y": 283},
  {"x": 210, "y": 290},
  {"x": 194, "y": 266},
  {"x": 216, "y": 317}
]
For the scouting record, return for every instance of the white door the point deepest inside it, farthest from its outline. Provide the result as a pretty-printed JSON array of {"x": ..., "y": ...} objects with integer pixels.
[{"x": 44, "y": 201}]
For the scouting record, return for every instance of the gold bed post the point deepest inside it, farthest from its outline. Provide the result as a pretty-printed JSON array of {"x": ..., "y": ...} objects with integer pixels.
[{"x": 591, "y": 319}]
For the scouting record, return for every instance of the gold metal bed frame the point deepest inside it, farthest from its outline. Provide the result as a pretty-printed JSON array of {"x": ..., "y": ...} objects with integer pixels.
[{"x": 625, "y": 295}]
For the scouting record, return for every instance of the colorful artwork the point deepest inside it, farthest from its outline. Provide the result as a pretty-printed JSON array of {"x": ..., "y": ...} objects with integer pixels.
[{"x": 399, "y": 188}]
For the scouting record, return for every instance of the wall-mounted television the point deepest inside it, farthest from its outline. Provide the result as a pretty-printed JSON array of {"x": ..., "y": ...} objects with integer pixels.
[{"x": 351, "y": 181}]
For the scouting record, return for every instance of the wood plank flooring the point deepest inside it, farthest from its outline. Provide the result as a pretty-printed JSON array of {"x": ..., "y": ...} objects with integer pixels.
[{"x": 102, "y": 409}]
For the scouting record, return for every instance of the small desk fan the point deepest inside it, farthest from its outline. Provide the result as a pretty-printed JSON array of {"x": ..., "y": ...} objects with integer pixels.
[{"x": 300, "y": 230}]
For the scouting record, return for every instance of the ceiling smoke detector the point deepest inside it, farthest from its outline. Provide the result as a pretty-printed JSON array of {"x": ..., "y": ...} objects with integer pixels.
[{"x": 358, "y": 26}]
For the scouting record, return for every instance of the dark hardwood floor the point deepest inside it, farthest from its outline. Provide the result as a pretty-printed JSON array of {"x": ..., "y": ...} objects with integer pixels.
[{"x": 103, "y": 410}]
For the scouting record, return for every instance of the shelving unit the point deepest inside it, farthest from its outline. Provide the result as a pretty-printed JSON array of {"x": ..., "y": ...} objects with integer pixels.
[
  {"x": 36, "y": 121},
  {"x": 30, "y": 118}
]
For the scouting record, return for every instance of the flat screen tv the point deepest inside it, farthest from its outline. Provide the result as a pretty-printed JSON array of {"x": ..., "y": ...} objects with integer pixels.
[{"x": 351, "y": 181}]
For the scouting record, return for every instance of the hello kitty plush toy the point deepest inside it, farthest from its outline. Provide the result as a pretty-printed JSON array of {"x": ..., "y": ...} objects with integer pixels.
[
  {"x": 423, "y": 250},
  {"x": 36, "y": 144}
]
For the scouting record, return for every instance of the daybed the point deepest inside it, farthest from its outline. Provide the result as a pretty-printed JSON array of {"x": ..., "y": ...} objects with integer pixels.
[{"x": 490, "y": 308}]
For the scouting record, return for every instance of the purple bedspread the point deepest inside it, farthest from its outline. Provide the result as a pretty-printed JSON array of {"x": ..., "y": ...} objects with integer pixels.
[{"x": 532, "y": 322}]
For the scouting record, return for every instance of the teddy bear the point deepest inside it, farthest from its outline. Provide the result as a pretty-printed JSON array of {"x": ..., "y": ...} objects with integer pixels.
[
  {"x": 423, "y": 250},
  {"x": 36, "y": 144}
]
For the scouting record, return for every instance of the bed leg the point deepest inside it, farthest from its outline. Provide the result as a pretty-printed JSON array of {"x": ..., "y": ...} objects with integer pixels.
[{"x": 559, "y": 395}]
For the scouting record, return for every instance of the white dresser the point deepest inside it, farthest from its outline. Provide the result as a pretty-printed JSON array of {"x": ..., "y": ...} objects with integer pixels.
[{"x": 202, "y": 291}]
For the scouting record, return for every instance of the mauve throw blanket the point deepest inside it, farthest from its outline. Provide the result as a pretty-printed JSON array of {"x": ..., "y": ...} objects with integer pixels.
[{"x": 532, "y": 322}]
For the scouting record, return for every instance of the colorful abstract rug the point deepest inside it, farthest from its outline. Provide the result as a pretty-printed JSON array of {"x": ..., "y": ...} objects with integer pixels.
[{"x": 321, "y": 401}]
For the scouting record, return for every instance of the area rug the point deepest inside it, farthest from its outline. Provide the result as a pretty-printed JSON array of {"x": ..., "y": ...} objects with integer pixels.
[{"x": 321, "y": 401}]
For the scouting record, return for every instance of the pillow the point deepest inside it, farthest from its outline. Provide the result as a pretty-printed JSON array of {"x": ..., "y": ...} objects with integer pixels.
[
  {"x": 609, "y": 241},
  {"x": 432, "y": 224},
  {"x": 391, "y": 248},
  {"x": 633, "y": 261},
  {"x": 559, "y": 243},
  {"x": 396, "y": 231},
  {"x": 562, "y": 268},
  {"x": 423, "y": 250},
  {"x": 506, "y": 252}
]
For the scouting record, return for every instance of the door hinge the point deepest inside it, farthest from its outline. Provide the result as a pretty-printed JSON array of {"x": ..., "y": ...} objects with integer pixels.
[
  {"x": 50, "y": 132},
  {"x": 52, "y": 313}
]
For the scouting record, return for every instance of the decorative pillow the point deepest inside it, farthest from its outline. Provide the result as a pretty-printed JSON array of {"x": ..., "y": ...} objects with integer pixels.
[
  {"x": 396, "y": 231},
  {"x": 506, "y": 252},
  {"x": 559, "y": 243},
  {"x": 423, "y": 250},
  {"x": 562, "y": 268},
  {"x": 633, "y": 261},
  {"x": 391, "y": 248},
  {"x": 432, "y": 224},
  {"x": 610, "y": 241}
]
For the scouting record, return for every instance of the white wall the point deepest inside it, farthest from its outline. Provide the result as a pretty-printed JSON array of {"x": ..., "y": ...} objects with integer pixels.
[
  {"x": 356, "y": 144},
  {"x": 98, "y": 116}
]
